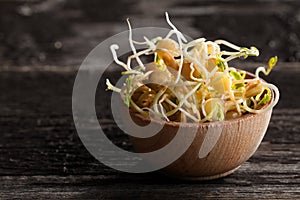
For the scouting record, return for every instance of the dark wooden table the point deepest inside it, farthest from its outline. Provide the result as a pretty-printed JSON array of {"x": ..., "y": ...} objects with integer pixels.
[{"x": 42, "y": 157}]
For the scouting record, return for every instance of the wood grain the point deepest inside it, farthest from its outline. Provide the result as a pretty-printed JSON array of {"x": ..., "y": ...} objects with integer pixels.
[{"x": 42, "y": 156}]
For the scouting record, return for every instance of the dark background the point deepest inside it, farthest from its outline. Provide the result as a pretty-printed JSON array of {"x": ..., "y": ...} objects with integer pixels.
[
  {"x": 62, "y": 32},
  {"x": 42, "y": 44}
]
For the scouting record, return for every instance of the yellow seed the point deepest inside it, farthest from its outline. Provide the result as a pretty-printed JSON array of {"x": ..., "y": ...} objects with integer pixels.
[
  {"x": 168, "y": 59},
  {"x": 212, "y": 49},
  {"x": 211, "y": 104},
  {"x": 170, "y": 45},
  {"x": 229, "y": 105},
  {"x": 220, "y": 82},
  {"x": 157, "y": 76},
  {"x": 239, "y": 93},
  {"x": 211, "y": 64},
  {"x": 231, "y": 115},
  {"x": 186, "y": 71},
  {"x": 253, "y": 89}
]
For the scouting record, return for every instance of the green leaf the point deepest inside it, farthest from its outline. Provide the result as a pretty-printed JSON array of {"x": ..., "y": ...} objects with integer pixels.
[
  {"x": 266, "y": 99},
  {"x": 128, "y": 88},
  {"x": 239, "y": 85},
  {"x": 238, "y": 76},
  {"x": 160, "y": 63},
  {"x": 253, "y": 51},
  {"x": 272, "y": 62},
  {"x": 243, "y": 74},
  {"x": 220, "y": 63},
  {"x": 220, "y": 115},
  {"x": 157, "y": 59}
]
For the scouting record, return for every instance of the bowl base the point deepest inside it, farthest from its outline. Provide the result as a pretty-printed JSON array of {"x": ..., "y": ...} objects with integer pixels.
[{"x": 204, "y": 178}]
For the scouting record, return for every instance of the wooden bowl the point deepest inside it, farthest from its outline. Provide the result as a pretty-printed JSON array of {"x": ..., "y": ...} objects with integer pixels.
[{"x": 237, "y": 141}]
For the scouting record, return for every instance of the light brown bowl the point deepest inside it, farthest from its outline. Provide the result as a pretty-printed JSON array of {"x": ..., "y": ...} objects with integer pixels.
[{"x": 237, "y": 142}]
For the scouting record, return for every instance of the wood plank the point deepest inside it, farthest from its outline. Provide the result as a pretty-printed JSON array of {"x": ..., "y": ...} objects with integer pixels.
[
  {"x": 266, "y": 186},
  {"x": 42, "y": 156}
]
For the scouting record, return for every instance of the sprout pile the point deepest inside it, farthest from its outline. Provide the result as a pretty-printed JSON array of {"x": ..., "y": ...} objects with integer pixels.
[{"x": 192, "y": 81}]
